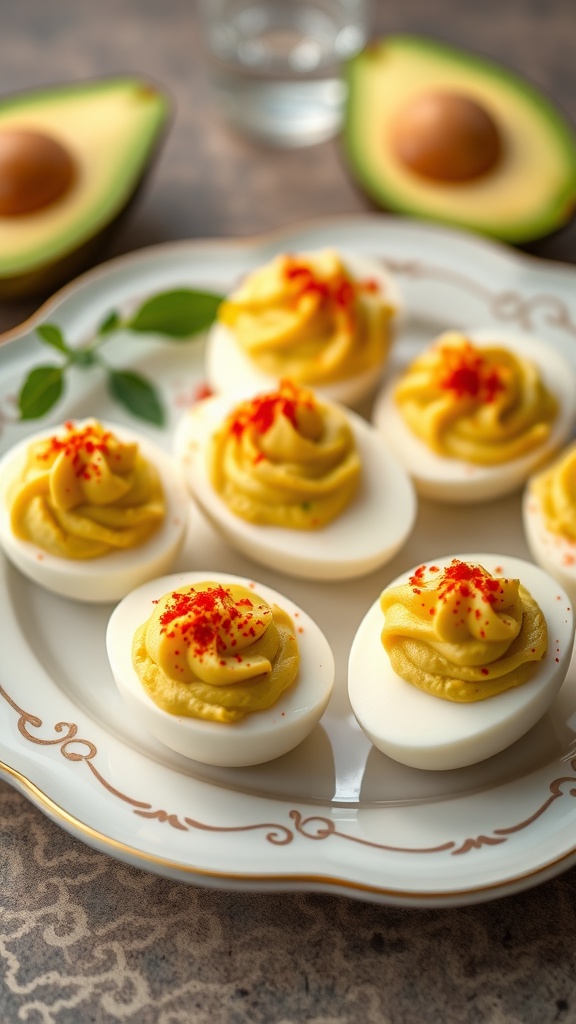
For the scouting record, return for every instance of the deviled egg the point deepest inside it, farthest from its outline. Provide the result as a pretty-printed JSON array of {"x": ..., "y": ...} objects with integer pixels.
[
  {"x": 321, "y": 318},
  {"x": 459, "y": 658},
  {"x": 90, "y": 510},
  {"x": 302, "y": 485},
  {"x": 475, "y": 414},
  {"x": 219, "y": 668},
  {"x": 549, "y": 516}
]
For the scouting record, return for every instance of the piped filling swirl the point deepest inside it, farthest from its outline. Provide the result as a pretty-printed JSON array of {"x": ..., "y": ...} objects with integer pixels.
[
  {"x": 460, "y": 633},
  {"x": 83, "y": 493},
  {"x": 481, "y": 404},
  {"x": 285, "y": 459},
  {"x": 215, "y": 652}
]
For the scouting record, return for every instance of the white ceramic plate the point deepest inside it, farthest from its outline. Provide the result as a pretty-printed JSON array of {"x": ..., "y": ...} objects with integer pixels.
[{"x": 334, "y": 815}]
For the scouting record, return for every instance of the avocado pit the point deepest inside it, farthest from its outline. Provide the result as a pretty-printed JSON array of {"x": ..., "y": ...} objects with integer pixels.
[
  {"x": 35, "y": 171},
  {"x": 446, "y": 137}
]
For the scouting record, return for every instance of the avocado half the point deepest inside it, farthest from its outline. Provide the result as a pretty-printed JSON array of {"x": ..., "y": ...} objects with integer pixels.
[
  {"x": 97, "y": 139},
  {"x": 528, "y": 188}
]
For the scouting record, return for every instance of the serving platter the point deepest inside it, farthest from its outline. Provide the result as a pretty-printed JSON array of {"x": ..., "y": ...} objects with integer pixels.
[{"x": 334, "y": 815}]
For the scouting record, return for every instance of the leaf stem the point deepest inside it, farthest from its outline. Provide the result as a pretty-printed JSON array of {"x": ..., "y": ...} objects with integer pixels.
[{"x": 178, "y": 315}]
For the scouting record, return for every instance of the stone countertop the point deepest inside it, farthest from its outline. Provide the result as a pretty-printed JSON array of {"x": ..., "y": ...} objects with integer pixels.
[{"x": 86, "y": 939}]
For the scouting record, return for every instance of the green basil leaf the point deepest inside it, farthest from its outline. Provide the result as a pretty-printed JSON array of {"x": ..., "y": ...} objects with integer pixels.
[
  {"x": 137, "y": 395},
  {"x": 110, "y": 323},
  {"x": 40, "y": 391},
  {"x": 178, "y": 314},
  {"x": 53, "y": 336}
]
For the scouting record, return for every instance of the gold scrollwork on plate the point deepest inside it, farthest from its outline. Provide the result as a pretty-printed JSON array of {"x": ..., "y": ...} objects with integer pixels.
[
  {"x": 509, "y": 306},
  {"x": 314, "y": 827}
]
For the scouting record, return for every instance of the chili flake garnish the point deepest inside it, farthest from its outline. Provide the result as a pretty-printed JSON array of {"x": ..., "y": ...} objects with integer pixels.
[
  {"x": 418, "y": 579},
  {"x": 262, "y": 411},
  {"x": 209, "y": 615},
  {"x": 466, "y": 579},
  {"x": 338, "y": 289},
  {"x": 80, "y": 445},
  {"x": 468, "y": 374},
  {"x": 459, "y": 578}
]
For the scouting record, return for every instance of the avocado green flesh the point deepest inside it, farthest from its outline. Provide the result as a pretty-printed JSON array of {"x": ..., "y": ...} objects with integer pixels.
[
  {"x": 112, "y": 128},
  {"x": 531, "y": 191}
]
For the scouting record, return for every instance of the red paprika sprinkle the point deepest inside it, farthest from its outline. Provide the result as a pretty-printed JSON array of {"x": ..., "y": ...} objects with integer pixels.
[
  {"x": 261, "y": 412},
  {"x": 336, "y": 292},
  {"x": 462, "y": 578},
  {"x": 207, "y": 614},
  {"x": 419, "y": 575},
  {"x": 469, "y": 374},
  {"x": 337, "y": 289},
  {"x": 80, "y": 445},
  {"x": 369, "y": 285}
]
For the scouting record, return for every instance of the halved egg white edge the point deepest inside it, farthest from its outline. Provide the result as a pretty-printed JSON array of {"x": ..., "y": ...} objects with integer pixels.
[
  {"x": 109, "y": 577},
  {"x": 261, "y": 736},
  {"x": 454, "y": 480},
  {"x": 452, "y": 738},
  {"x": 362, "y": 538},
  {"x": 553, "y": 553}
]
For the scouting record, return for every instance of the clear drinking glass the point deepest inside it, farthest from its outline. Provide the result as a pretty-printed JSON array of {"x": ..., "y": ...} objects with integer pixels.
[{"x": 275, "y": 64}]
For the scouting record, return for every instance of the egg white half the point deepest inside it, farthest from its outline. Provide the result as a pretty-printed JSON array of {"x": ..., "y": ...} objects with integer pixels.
[
  {"x": 111, "y": 576},
  {"x": 454, "y": 480},
  {"x": 229, "y": 369},
  {"x": 423, "y": 731},
  {"x": 363, "y": 537},
  {"x": 554, "y": 553},
  {"x": 260, "y": 736}
]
